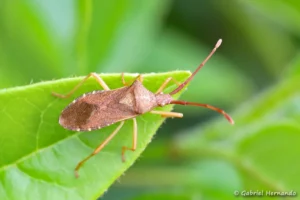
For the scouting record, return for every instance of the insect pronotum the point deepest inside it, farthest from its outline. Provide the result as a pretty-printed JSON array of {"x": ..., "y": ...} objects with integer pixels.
[{"x": 101, "y": 108}]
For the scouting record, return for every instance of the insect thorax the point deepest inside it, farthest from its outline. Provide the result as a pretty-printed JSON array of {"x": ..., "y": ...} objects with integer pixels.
[{"x": 144, "y": 99}]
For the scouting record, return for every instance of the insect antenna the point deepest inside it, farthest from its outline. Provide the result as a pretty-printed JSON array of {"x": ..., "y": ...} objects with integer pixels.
[
  {"x": 198, "y": 68},
  {"x": 206, "y": 106}
]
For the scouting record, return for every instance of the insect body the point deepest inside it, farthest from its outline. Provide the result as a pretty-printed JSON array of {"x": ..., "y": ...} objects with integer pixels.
[{"x": 102, "y": 108}]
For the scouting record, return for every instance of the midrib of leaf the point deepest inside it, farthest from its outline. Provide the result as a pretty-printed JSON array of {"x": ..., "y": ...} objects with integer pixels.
[{"x": 38, "y": 150}]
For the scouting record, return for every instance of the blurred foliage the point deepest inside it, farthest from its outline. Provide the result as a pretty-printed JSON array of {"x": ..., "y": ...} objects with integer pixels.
[{"x": 255, "y": 72}]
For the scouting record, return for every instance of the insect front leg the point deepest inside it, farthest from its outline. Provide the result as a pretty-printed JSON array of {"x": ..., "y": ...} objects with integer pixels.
[
  {"x": 166, "y": 113},
  {"x": 165, "y": 83},
  {"x": 134, "y": 140},
  {"x": 96, "y": 76},
  {"x": 139, "y": 77},
  {"x": 123, "y": 79},
  {"x": 99, "y": 148}
]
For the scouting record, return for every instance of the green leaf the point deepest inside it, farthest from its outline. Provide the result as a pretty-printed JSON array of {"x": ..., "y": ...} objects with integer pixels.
[
  {"x": 267, "y": 36},
  {"x": 263, "y": 144},
  {"x": 38, "y": 156},
  {"x": 74, "y": 37},
  {"x": 285, "y": 13},
  {"x": 22, "y": 28},
  {"x": 294, "y": 66},
  {"x": 206, "y": 178},
  {"x": 122, "y": 32},
  {"x": 163, "y": 197},
  {"x": 279, "y": 142}
]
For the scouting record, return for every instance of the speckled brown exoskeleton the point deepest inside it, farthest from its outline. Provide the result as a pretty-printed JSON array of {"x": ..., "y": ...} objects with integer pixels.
[{"x": 102, "y": 108}]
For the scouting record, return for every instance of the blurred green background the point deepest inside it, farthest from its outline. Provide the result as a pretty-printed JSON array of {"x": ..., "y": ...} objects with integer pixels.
[{"x": 254, "y": 75}]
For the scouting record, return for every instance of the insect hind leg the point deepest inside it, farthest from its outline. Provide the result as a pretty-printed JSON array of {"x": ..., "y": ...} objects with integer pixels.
[
  {"x": 134, "y": 140},
  {"x": 96, "y": 76},
  {"x": 98, "y": 149}
]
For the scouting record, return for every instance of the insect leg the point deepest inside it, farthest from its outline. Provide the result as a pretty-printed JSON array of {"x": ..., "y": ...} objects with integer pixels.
[
  {"x": 123, "y": 79},
  {"x": 99, "y": 148},
  {"x": 167, "y": 114},
  {"x": 165, "y": 83},
  {"x": 139, "y": 77},
  {"x": 96, "y": 76},
  {"x": 134, "y": 140}
]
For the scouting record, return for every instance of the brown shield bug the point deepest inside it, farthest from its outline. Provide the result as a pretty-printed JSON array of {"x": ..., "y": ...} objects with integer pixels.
[{"x": 102, "y": 108}]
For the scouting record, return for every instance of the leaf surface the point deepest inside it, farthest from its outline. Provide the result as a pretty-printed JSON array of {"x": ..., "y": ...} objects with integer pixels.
[{"x": 38, "y": 156}]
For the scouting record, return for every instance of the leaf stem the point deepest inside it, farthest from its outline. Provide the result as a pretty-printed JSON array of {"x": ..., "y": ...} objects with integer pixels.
[{"x": 85, "y": 18}]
